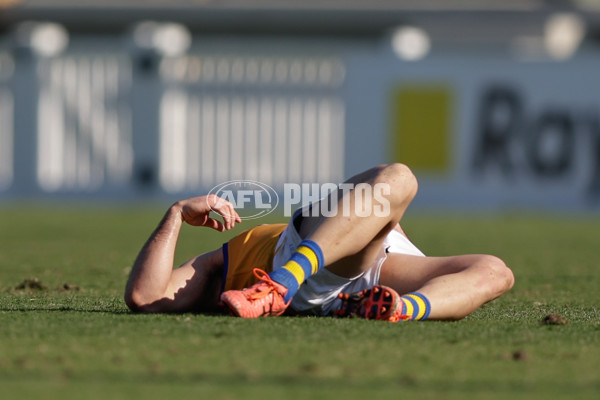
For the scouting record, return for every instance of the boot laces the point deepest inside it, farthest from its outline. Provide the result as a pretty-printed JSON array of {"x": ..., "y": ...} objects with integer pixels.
[{"x": 262, "y": 276}]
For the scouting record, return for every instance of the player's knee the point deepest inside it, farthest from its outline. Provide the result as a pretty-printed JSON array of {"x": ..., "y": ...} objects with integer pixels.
[
  {"x": 401, "y": 181},
  {"x": 498, "y": 276}
]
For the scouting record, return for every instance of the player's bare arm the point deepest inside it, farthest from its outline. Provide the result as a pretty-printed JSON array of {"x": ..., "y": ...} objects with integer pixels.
[{"x": 154, "y": 286}]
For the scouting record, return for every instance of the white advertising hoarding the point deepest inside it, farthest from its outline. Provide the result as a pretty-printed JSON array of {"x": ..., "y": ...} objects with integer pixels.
[{"x": 485, "y": 131}]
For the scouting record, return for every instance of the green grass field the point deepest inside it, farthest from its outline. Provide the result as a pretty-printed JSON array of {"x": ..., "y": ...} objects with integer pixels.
[{"x": 68, "y": 335}]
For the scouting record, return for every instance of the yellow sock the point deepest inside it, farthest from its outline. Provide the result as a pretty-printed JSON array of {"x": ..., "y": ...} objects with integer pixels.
[{"x": 415, "y": 306}]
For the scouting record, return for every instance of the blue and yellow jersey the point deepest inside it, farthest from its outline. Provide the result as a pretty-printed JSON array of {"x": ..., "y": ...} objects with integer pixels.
[{"x": 250, "y": 249}]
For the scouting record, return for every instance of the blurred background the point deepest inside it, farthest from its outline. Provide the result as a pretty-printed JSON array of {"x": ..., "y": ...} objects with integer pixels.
[{"x": 495, "y": 105}]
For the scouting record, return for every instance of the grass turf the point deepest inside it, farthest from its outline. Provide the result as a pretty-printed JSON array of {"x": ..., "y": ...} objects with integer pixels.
[{"x": 66, "y": 333}]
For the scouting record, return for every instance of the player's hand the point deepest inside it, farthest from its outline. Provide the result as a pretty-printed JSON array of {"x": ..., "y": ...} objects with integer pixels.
[{"x": 196, "y": 211}]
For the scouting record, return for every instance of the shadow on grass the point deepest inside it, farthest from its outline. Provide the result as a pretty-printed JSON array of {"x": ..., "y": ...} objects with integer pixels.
[{"x": 309, "y": 379}]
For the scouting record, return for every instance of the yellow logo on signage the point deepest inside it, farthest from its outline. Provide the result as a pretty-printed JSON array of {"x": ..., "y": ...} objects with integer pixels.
[{"x": 421, "y": 127}]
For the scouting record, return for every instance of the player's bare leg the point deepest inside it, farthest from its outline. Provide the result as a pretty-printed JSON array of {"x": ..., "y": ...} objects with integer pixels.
[
  {"x": 440, "y": 288},
  {"x": 446, "y": 288},
  {"x": 346, "y": 243},
  {"x": 350, "y": 242},
  {"x": 455, "y": 286}
]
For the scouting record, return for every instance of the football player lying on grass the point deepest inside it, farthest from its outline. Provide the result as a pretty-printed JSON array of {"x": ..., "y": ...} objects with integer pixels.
[{"x": 349, "y": 263}]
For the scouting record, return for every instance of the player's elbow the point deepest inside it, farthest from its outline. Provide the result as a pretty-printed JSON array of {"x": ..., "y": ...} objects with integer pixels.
[
  {"x": 132, "y": 300},
  {"x": 136, "y": 300}
]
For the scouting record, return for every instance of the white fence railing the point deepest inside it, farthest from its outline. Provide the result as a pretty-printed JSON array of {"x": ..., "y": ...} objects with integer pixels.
[
  {"x": 84, "y": 123},
  {"x": 271, "y": 120},
  {"x": 104, "y": 117}
]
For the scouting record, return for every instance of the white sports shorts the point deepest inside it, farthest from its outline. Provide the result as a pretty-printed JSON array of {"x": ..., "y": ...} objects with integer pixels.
[{"x": 318, "y": 295}]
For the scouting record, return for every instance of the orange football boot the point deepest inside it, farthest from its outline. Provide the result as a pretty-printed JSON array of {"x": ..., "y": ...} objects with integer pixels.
[{"x": 263, "y": 299}]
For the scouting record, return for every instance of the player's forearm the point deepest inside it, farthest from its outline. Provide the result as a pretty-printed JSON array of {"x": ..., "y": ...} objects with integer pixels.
[{"x": 153, "y": 266}]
